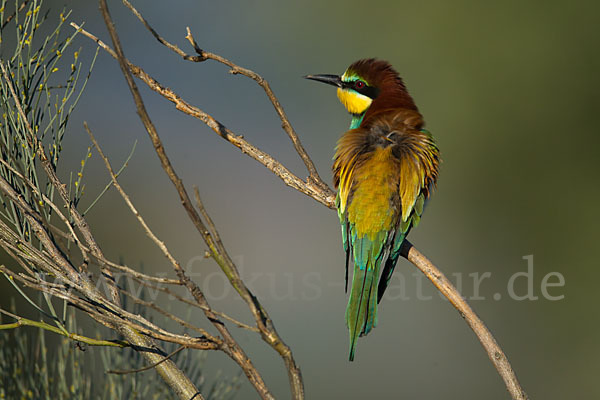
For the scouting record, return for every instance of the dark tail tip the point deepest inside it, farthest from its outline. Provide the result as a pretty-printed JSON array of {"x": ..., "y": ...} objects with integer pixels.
[{"x": 352, "y": 348}]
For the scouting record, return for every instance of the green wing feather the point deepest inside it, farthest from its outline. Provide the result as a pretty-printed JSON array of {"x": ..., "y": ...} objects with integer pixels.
[
  {"x": 402, "y": 231},
  {"x": 345, "y": 233}
]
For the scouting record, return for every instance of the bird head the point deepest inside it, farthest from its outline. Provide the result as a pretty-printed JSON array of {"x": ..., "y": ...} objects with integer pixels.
[{"x": 366, "y": 82}]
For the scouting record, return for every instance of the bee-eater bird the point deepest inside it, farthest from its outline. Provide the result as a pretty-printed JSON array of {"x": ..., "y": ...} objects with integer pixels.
[{"x": 385, "y": 168}]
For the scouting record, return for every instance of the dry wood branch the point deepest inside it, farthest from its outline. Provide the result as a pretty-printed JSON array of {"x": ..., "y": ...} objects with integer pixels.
[
  {"x": 264, "y": 323},
  {"x": 167, "y": 314},
  {"x": 123, "y": 268},
  {"x": 232, "y": 348},
  {"x": 73, "y": 236},
  {"x": 73, "y": 336},
  {"x": 323, "y": 195},
  {"x": 110, "y": 319},
  {"x": 264, "y": 84},
  {"x": 66, "y": 271},
  {"x": 488, "y": 342},
  {"x": 319, "y": 192},
  {"x": 195, "y": 304},
  {"x": 236, "y": 69},
  {"x": 133, "y": 371}
]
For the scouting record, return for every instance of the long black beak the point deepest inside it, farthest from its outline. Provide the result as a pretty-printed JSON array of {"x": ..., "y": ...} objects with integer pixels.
[{"x": 329, "y": 79}]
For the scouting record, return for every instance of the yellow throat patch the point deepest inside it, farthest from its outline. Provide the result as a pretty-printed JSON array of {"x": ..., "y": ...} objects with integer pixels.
[{"x": 354, "y": 102}]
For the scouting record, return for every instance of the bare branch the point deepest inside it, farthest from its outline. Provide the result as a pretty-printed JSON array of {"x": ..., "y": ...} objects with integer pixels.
[
  {"x": 263, "y": 321},
  {"x": 167, "y": 314},
  {"x": 195, "y": 304},
  {"x": 170, "y": 373},
  {"x": 233, "y": 349},
  {"x": 312, "y": 187},
  {"x": 211, "y": 225},
  {"x": 309, "y": 188},
  {"x": 264, "y": 84},
  {"x": 173, "y": 47},
  {"x": 123, "y": 268},
  {"x": 73, "y": 336},
  {"x": 109, "y": 320},
  {"x": 133, "y": 371},
  {"x": 488, "y": 342},
  {"x": 236, "y": 69}
]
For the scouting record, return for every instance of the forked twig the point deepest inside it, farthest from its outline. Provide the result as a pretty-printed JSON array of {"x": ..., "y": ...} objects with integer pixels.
[
  {"x": 236, "y": 69},
  {"x": 232, "y": 348},
  {"x": 312, "y": 188},
  {"x": 146, "y": 368},
  {"x": 195, "y": 304},
  {"x": 73, "y": 336},
  {"x": 324, "y": 196},
  {"x": 67, "y": 272}
]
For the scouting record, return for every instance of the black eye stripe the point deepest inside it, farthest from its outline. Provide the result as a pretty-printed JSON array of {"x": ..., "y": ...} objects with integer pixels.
[{"x": 366, "y": 90}]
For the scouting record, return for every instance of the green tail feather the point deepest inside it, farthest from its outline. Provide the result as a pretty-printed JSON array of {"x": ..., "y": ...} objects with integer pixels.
[{"x": 361, "y": 313}]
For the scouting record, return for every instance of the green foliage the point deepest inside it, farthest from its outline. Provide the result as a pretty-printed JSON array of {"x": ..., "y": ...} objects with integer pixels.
[
  {"x": 35, "y": 62},
  {"x": 33, "y": 369},
  {"x": 34, "y": 56},
  {"x": 45, "y": 74}
]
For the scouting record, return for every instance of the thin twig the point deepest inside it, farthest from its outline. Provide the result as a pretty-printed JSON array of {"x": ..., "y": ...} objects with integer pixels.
[
  {"x": 195, "y": 304},
  {"x": 123, "y": 268},
  {"x": 263, "y": 321},
  {"x": 268, "y": 332},
  {"x": 324, "y": 196},
  {"x": 264, "y": 84},
  {"x": 134, "y": 371},
  {"x": 319, "y": 193},
  {"x": 73, "y": 236},
  {"x": 236, "y": 69},
  {"x": 183, "y": 386},
  {"x": 13, "y": 15},
  {"x": 167, "y": 314},
  {"x": 235, "y": 351},
  {"x": 73, "y": 336},
  {"x": 173, "y": 47},
  {"x": 211, "y": 225},
  {"x": 84, "y": 250}
]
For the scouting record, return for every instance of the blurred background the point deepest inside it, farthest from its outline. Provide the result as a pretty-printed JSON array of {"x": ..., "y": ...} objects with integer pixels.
[{"x": 509, "y": 89}]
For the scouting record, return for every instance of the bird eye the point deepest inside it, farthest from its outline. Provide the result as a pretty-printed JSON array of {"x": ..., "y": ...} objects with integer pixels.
[{"x": 359, "y": 84}]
